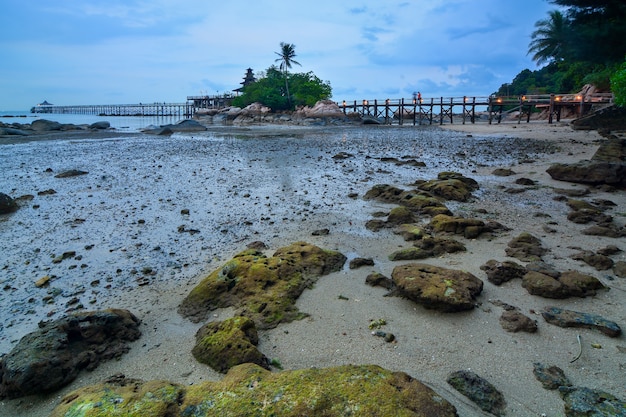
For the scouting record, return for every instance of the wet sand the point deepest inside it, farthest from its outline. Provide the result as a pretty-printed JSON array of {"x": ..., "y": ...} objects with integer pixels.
[{"x": 279, "y": 189}]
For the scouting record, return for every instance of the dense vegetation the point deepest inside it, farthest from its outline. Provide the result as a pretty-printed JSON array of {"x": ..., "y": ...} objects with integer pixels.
[
  {"x": 581, "y": 43},
  {"x": 280, "y": 90}
]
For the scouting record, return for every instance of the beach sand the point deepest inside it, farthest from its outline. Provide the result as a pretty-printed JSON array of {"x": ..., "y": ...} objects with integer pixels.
[{"x": 429, "y": 345}]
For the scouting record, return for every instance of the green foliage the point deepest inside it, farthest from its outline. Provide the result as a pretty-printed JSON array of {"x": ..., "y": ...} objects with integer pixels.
[
  {"x": 305, "y": 88},
  {"x": 618, "y": 85}
]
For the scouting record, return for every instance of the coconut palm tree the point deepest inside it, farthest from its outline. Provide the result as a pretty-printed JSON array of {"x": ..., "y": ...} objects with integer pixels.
[
  {"x": 550, "y": 40},
  {"x": 287, "y": 54}
]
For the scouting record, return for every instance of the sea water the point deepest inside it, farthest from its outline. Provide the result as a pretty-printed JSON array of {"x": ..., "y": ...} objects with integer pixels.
[{"x": 121, "y": 123}]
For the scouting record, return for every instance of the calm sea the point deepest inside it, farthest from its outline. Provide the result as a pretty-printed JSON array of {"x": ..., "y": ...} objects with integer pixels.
[{"x": 122, "y": 123}]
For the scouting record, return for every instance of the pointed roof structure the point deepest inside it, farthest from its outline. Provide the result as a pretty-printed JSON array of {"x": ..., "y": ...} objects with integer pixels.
[
  {"x": 45, "y": 103},
  {"x": 247, "y": 80}
]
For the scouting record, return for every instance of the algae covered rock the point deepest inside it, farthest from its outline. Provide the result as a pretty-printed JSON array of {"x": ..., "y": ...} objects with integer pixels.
[
  {"x": 249, "y": 390},
  {"x": 261, "y": 288},
  {"x": 451, "y": 186},
  {"x": 222, "y": 345},
  {"x": 588, "y": 402},
  {"x": 479, "y": 390},
  {"x": 469, "y": 228},
  {"x": 526, "y": 247},
  {"x": 52, "y": 357},
  {"x": 436, "y": 287},
  {"x": 499, "y": 272},
  {"x": 561, "y": 285}
]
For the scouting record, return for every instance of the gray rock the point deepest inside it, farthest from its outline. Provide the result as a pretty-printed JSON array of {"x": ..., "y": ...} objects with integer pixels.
[
  {"x": 9, "y": 131},
  {"x": 100, "y": 125},
  {"x": 587, "y": 402},
  {"x": 52, "y": 357},
  {"x": 71, "y": 173},
  {"x": 43, "y": 125},
  {"x": 514, "y": 321},
  {"x": 479, "y": 390},
  {"x": 568, "y": 318},
  {"x": 525, "y": 247},
  {"x": 551, "y": 377},
  {"x": 499, "y": 272},
  {"x": 7, "y": 204}
]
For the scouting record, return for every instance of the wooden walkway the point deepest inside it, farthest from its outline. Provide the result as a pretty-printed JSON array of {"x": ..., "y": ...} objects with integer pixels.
[
  {"x": 446, "y": 109},
  {"x": 141, "y": 109}
]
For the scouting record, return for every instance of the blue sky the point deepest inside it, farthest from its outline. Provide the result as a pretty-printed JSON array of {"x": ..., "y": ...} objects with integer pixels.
[{"x": 130, "y": 51}]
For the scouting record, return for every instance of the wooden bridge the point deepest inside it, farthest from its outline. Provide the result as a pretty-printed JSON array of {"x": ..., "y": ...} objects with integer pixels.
[
  {"x": 141, "y": 109},
  {"x": 446, "y": 109}
]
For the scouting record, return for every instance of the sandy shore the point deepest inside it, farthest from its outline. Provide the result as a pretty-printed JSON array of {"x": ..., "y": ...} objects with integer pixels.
[{"x": 298, "y": 200}]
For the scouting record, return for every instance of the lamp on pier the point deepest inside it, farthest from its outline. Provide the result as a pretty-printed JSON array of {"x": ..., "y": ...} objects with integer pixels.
[
  {"x": 387, "y": 102},
  {"x": 344, "y": 103},
  {"x": 365, "y": 102}
]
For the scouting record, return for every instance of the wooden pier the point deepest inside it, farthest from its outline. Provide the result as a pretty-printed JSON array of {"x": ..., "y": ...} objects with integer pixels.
[
  {"x": 447, "y": 109},
  {"x": 141, "y": 109}
]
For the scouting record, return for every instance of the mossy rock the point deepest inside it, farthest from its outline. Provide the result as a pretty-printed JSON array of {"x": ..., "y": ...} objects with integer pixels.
[
  {"x": 425, "y": 203},
  {"x": 225, "y": 344},
  {"x": 410, "y": 232},
  {"x": 261, "y": 288},
  {"x": 249, "y": 390},
  {"x": 400, "y": 215},
  {"x": 437, "y": 288},
  {"x": 469, "y": 228},
  {"x": 410, "y": 254},
  {"x": 526, "y": 247},
  {"x": 439, "y": 246},
  {"x": 451, "y": 186}
]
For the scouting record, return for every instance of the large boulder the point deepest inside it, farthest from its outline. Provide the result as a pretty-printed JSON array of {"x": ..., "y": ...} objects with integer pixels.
[
  {"x": 7, "y": 204},
  {"x": 564, "y": 285},
  {"x": 51, "y": 357},
  {"x": 225, "y": 344},
  {"x": 261, "y": 288},
  {"x": 525, "y": 247},
  {"x": 323, "y": 108},
  {"x": 479, "y": 390},
  {"x": 469, "y": 228},
  {"x": 437, "y": 288},
  {"x": 249, "y": 390},
  {"x": 450, "y": 186},
  {"x": 43, "y": 125}
]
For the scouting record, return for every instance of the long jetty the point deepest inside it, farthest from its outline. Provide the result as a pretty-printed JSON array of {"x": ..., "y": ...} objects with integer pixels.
[
  {"x": 417, "y": 111},
  {"x": 141, "y": 109},
  {"x": 445, "y": 109}
]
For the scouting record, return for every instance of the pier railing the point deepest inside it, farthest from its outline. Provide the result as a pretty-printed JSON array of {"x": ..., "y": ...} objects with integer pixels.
[
  {"x": 141, "y": 109},
  {"x": 446, "y": 109}
]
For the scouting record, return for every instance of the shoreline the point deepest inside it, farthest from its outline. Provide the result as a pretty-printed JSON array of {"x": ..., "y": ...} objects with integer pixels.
[{"x": 430, "y": 344}]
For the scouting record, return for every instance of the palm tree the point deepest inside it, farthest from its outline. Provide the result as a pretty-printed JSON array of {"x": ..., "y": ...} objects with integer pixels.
[
  {"x": 550, "y": 40},
  {"x": 287, "y": 54}
]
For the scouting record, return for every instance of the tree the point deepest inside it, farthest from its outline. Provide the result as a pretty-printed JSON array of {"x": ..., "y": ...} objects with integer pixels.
[
  {"x": 287, "y": 54},
  {"x": 269, "y": 89},
  {"x": 550, "y": 40},
  {"x": 598, "y": 29},
  {"x": 618, "y": 85}
]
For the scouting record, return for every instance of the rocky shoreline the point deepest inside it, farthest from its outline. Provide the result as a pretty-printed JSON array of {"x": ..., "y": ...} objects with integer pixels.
[{"x": 461, "y": 230}]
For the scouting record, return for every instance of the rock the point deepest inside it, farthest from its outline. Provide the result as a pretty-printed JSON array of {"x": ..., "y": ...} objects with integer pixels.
[
  {"x": 43, "y": 125},
  {"x": 410, "y": 254},
  {"x": 438, "y": 246},
  {"x": 9, "y": 131},
  {"x": 588, "y": 402},
  {"x": 607, "y": 231},
  {"x": 410, "y": 232},
  {"x": 525, "y": 247},
  {"x": 514, "y": 321},
  {"x": 71, "y": 173},
  {"x": 469, "y": 228},
  {"x": 543, "y": 268},
  {"x": 499, "y": 272},
  {"x": 479, "y": 390},
  {"x": 400, "y": 215},
  {"x": 7, "y": 204},
  {"x": 257, "y": 244},
  {"x": 418, "y": 201},
  {"x": 589, "y": 172},
  {"x": 503, "y": 172},
  {"x": 567, "y": 284},
  {"x": 599, "y": 262},
  {"x": 320, "y": 232},
  {"x": 551, "y": 377},
  {"x": 568, "y": 318},
  {"x": 377, "y": 279},
  {"x": 247, "y": 390},
  {"x": 323, "y": 108},
  {"x": 261, "y": 288},
  {"x": 52, "y": 357},
  {"x": 222, "y": 345},
  {"x": 619, "y": 269},
  {"x": 43, "y": 281},
  {"x": 102, "y": 125},
  {"x": 359, "y": 262},
  {"x": 450, "y": 186},
  {"x": 49, "y": 191},
  {"x": 437, "y": 288},
  {"x": 525, "y": 181}
]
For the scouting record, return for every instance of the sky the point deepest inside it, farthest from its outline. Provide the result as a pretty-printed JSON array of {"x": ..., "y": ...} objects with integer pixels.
[{"x": 72, "y": 52}]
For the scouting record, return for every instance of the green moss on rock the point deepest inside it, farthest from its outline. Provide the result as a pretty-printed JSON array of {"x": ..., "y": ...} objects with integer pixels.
[
  {"x": 222, "y": 345},
  {"x": 261, "y": 288},
  {"x": 249, "y": 390}
]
